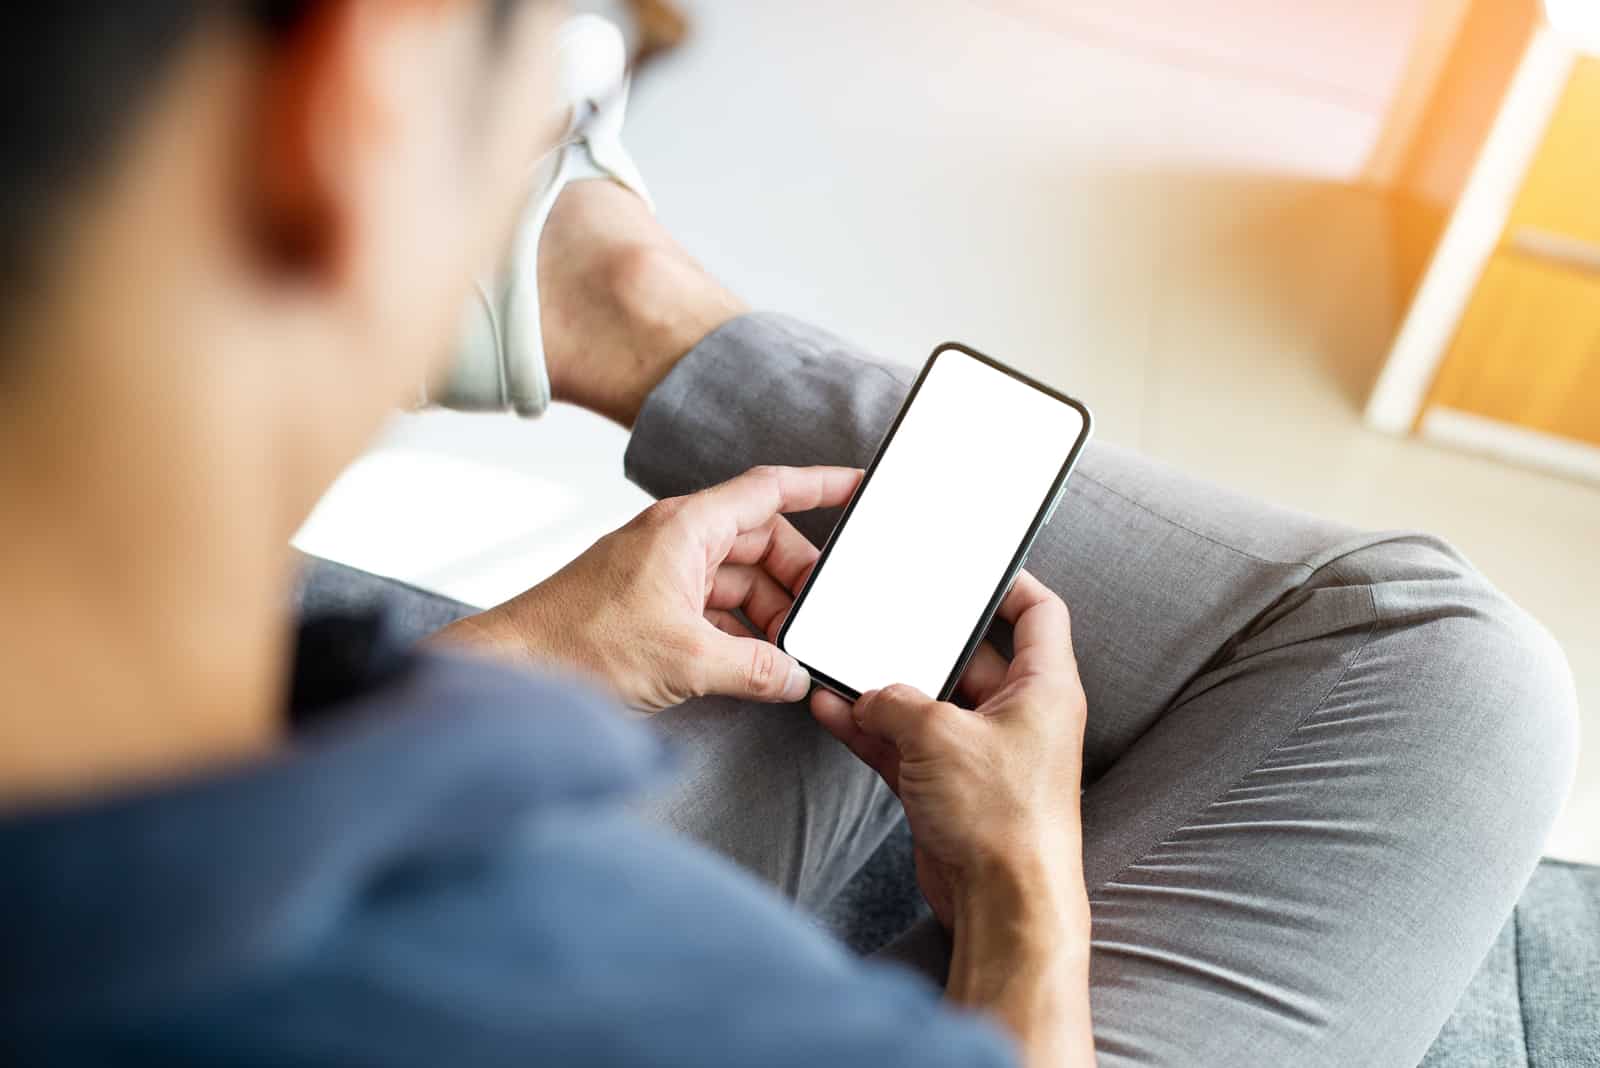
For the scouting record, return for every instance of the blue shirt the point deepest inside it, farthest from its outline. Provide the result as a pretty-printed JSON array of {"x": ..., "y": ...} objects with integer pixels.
[{"x": 437, "y": 870}]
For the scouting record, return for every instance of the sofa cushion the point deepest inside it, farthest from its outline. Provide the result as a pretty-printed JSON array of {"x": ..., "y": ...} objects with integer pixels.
[{"x": 1535, "y": 1003}]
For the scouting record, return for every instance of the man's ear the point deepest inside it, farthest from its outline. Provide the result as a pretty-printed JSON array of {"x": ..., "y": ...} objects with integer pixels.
[
  {"x": 327, "y": 106},
  {"x": 304, "y": 87}
]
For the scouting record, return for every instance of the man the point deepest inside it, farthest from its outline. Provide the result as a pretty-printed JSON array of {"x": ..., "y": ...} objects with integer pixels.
[{"x": 1316, "y": 764}]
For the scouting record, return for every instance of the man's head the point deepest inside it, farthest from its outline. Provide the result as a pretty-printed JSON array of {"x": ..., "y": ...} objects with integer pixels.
[
  {"x": 234, "y": 234},
  {"x": 283, "y": 198}
]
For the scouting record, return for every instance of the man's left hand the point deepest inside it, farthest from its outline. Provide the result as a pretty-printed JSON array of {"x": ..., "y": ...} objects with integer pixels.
[{"x": 649, "y": 609}]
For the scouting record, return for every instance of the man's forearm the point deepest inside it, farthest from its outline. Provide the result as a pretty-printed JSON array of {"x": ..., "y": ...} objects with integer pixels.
[{"x": 1022, "y": 956}]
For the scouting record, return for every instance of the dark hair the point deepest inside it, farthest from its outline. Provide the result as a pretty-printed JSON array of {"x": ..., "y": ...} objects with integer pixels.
[{"x": 73, "y": 76}]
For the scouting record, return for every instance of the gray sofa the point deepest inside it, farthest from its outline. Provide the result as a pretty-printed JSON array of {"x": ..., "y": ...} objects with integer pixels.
[{"x": 1535, "y": 1002}]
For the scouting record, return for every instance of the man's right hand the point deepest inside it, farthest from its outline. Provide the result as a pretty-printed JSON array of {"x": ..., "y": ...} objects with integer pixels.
[{"x": 992, "y": 798}]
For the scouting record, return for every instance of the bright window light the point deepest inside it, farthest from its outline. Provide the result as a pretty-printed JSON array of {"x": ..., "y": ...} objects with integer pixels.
[{"x": 1576, "y": 20}]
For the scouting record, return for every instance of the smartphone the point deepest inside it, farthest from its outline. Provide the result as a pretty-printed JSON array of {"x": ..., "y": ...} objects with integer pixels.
[{"x": 969, "y": 473}]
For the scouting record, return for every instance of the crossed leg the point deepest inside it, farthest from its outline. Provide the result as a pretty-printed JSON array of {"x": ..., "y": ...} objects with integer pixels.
[{"x": 1319, "y": 762}]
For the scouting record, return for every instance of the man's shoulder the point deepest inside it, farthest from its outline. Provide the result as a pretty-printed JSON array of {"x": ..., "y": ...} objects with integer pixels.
[
  {"x": 585, "y": 938},
  {"x": 446, "y": 872}
]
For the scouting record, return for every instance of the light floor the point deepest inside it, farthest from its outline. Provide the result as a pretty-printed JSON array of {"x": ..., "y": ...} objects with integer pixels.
[{"x": 1130, "y": 202}]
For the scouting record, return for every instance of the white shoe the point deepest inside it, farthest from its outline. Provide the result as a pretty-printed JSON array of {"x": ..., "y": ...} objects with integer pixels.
[{"x": 500, "y": 362}]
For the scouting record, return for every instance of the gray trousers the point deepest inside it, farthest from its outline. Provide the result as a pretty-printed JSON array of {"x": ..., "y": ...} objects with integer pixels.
[{"x": 1320, "y": 763}]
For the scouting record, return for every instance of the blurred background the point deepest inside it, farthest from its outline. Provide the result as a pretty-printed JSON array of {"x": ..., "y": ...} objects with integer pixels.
[{"x": 1342, "y": 254}]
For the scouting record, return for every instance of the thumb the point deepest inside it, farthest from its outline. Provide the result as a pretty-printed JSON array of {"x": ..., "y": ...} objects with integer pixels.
[
  {"x": 752, "y": 668},
  {"x": 899, "y": 714}
]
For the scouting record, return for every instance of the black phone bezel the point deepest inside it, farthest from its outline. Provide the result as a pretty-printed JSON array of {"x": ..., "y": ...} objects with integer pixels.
[{"x": 1051, "y": 500}]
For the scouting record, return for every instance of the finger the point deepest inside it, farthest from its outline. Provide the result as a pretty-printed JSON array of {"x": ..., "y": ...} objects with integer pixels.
[
  {"x": 751, "y": 546},
  {"x": 750, "y": 668},
  {"x": 1041, "y": 627},
  {"x": 750, "y": 500},
  {"x": 833, "y": 713},
  {"x": 753, "y": 590},
  {"x": 791, "y": 556},
  {"x": 985, "y": 674},
  {"x": 901, "y": 715},
  {"x": 778, "y": 547},
  {"x": 727, "y": 622},
  {"x": 803, "y": 577},
  {"x": 775, "y": 624},
  {"x": 1025, "y": 590}
]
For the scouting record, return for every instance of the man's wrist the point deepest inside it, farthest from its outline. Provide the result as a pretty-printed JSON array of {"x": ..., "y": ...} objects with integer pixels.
[
  {"x": 1022, "y": 905},
  {"x": 491, "y": 633},
  {"x": 1021, "y": 933}
]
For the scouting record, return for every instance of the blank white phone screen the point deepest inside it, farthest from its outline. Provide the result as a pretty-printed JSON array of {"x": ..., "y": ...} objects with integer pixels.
[{"x": 935, "y": 529}]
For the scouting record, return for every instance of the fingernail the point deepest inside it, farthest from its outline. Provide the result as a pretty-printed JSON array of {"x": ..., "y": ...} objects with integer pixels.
[{"x": 799, "y": 683}]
